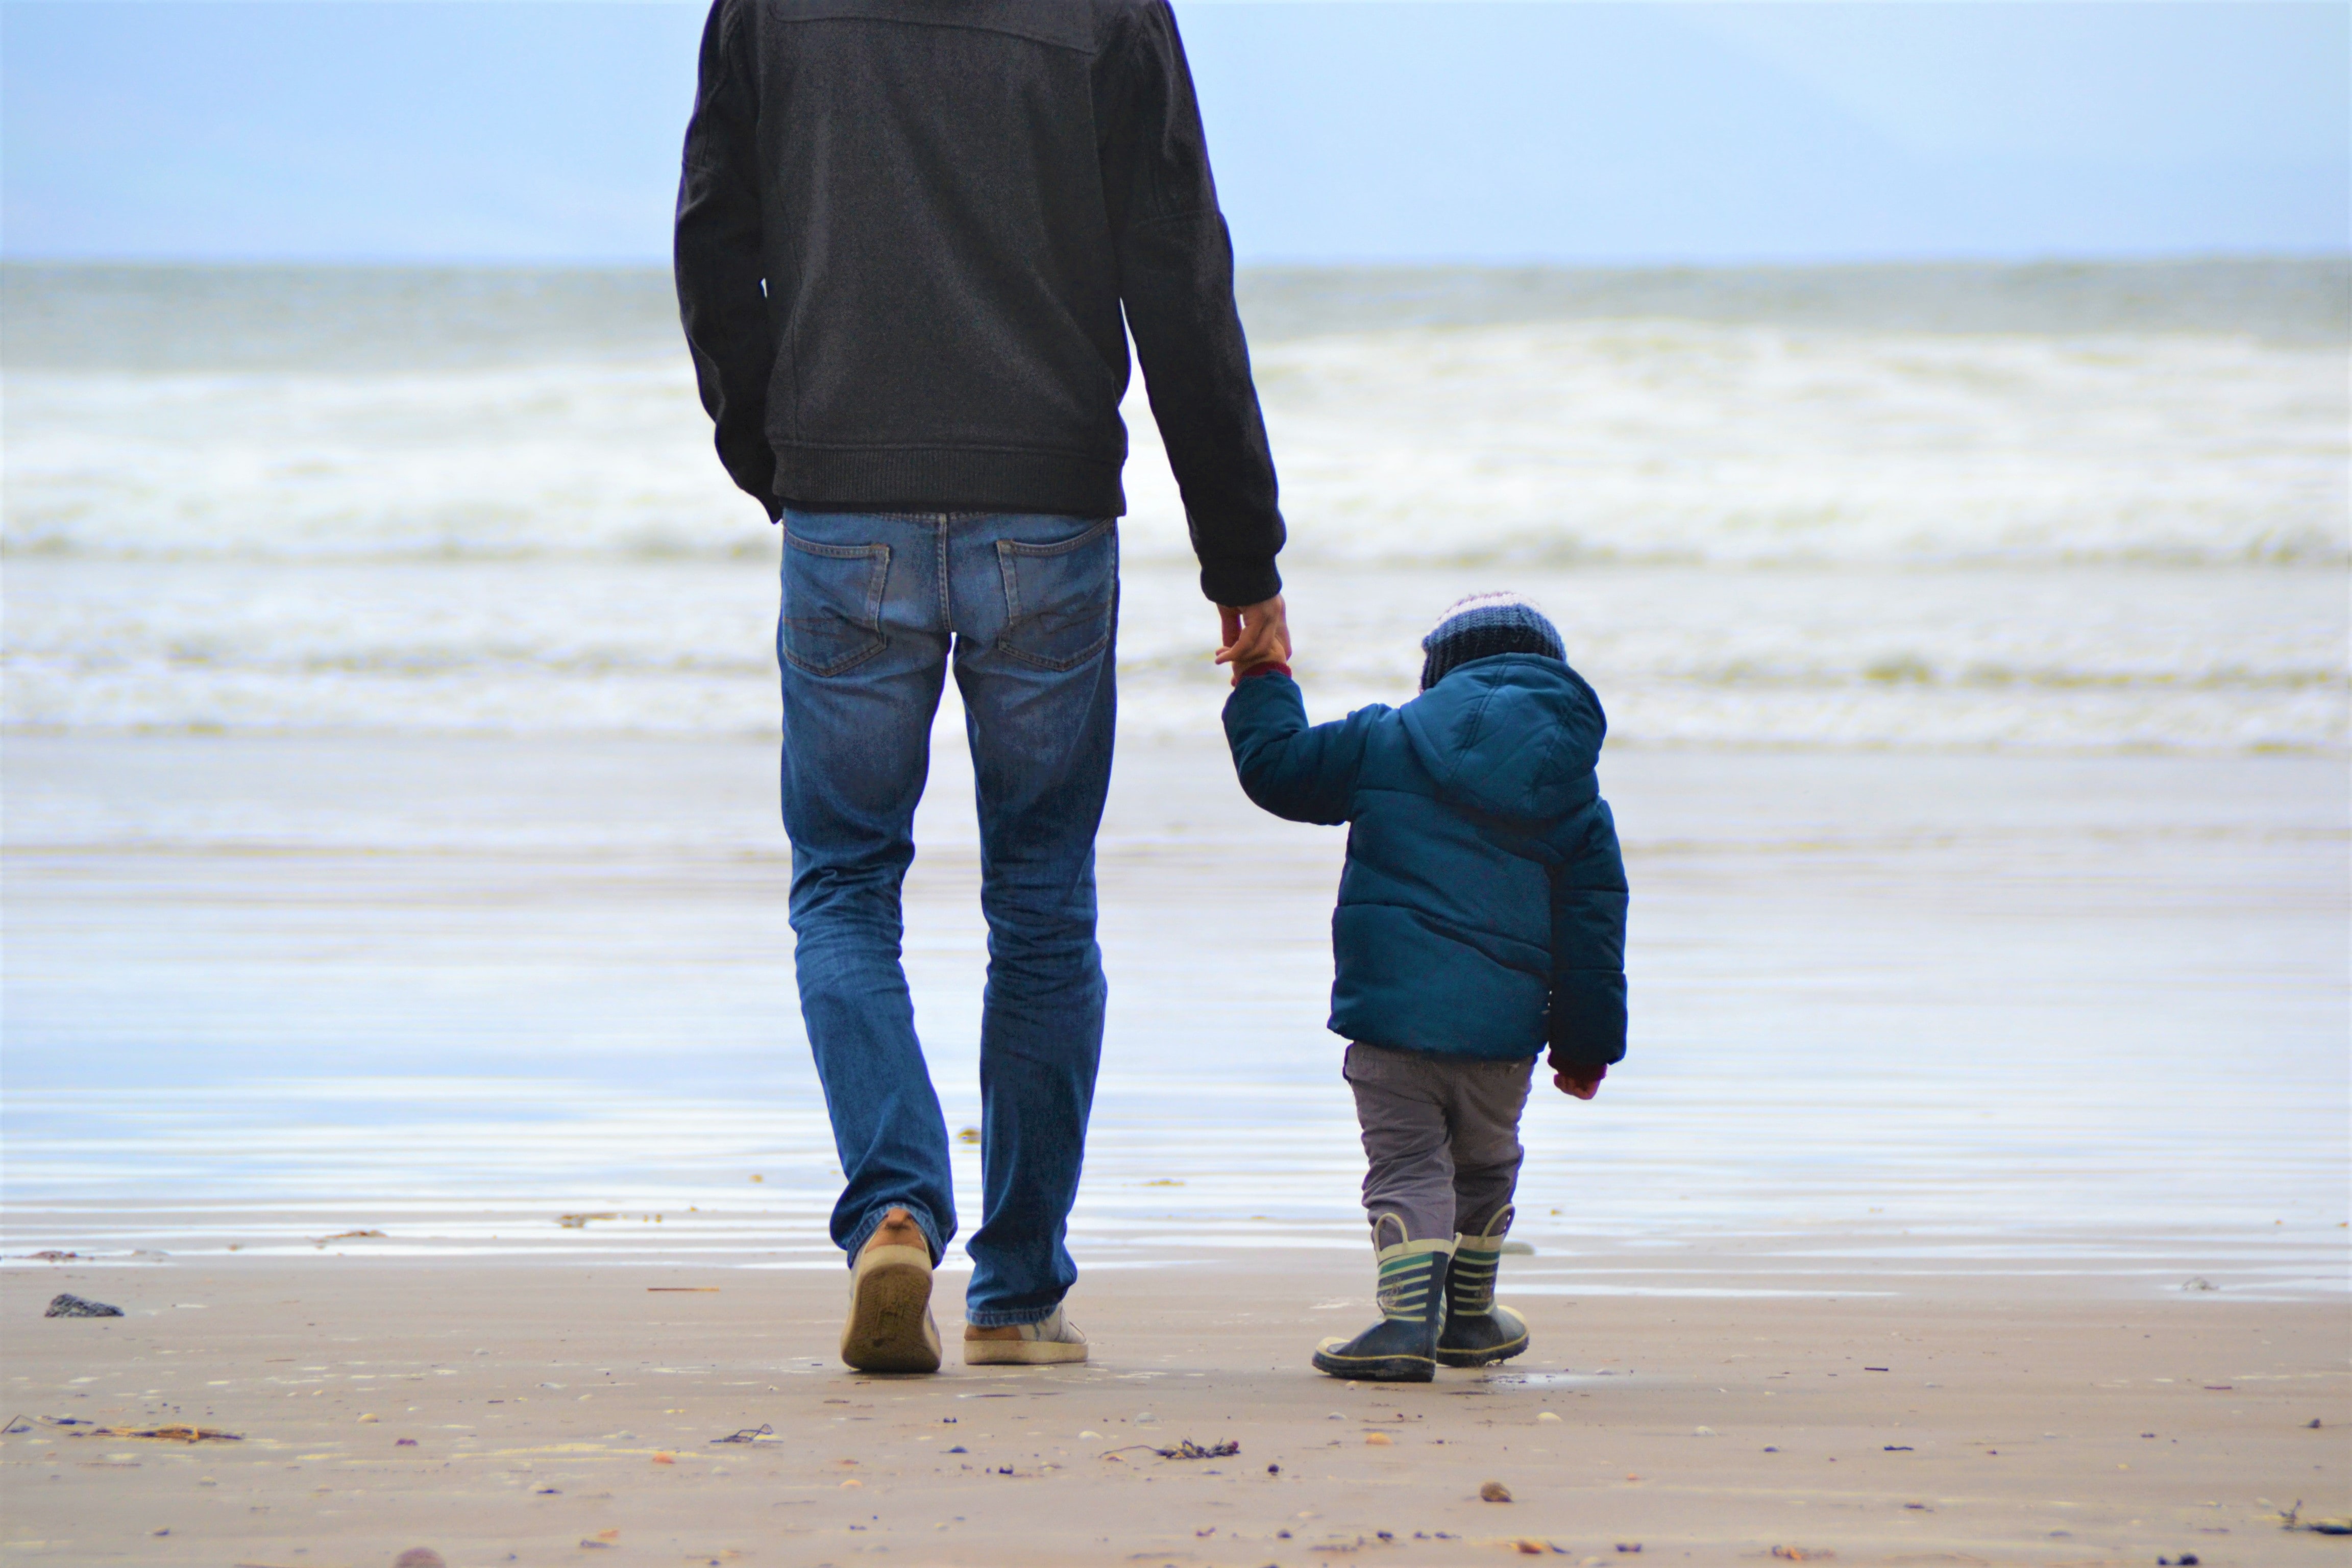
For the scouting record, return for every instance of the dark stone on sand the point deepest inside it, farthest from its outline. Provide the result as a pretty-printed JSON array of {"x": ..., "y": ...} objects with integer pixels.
[
  {"x": 65, "y": 1305},
  {"x": 419, "y": 1557}
]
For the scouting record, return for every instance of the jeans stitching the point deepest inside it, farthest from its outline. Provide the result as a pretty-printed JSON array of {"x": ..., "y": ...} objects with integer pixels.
[
  {"x": 947, "y": 577},
  {"x": 877, "y": 587},
  {"x": 1054, "y": 666},
  {"x": 1009, "y": 1318},
  {"x": 1009, "y": 551},
  {"x": 1017, "y": 547}
]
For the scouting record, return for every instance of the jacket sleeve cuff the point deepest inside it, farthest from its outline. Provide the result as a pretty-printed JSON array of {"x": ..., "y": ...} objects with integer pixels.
[
  {"x": 1254, "y": 671},
  {"x": 1237, "y": 585}
]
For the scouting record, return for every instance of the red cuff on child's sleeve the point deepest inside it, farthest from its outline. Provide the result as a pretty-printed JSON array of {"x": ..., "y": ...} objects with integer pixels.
[{"x": 1277, "y": 667}]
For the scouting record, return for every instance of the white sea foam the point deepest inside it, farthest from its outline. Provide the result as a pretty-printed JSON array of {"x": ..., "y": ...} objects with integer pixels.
[{"x": 1753, "y": 530}]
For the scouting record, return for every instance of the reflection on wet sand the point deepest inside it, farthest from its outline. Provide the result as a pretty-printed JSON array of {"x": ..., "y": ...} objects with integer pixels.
[{"x": 1898, "y": 1017}]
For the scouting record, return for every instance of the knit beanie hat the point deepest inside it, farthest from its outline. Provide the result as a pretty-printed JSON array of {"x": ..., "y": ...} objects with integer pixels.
[{"x": 1485, "y": 625}]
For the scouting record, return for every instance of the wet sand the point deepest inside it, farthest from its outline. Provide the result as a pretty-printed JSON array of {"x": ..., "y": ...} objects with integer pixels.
[
  {"x": 1965, "y": 1015},
  {"x": 567, "y": 1414}
]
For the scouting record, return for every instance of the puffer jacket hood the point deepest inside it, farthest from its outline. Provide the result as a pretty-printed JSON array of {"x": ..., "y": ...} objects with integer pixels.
[{"x": 1515, "y": 736}]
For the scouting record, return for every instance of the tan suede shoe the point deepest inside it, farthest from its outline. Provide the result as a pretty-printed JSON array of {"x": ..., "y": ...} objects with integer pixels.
[
  {"x": 1055, "y": 1340},
  {"x": 890, "y": 1327}
]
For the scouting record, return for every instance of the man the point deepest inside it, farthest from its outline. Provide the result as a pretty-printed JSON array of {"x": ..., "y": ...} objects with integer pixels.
[{"x": 907, "y": 231}]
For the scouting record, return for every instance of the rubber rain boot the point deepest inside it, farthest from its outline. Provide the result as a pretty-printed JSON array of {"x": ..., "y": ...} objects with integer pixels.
[
  {"x": 1478, "y": 1332},
  {"x": 1402, "y": 1346}
]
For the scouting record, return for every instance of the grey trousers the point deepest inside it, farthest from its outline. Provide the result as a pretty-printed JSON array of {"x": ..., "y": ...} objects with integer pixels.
[{"x": 1441, "y": 1135}]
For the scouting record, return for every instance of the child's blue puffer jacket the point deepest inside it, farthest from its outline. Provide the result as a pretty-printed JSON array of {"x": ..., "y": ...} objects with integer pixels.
[{"x": 1482, "y": 912}]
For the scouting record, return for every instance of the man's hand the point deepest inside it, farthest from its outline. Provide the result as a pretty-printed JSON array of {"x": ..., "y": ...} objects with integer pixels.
[
  {"x": 1253, "y": 635},
  {"x": 1571, "y": 1081}
]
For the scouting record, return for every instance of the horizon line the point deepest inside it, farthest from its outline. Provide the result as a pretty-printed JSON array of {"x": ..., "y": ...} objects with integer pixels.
[{"x": 1430, "y": 264}]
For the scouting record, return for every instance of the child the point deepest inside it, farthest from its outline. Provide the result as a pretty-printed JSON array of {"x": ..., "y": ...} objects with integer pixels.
[{"x": 1481, "y": 918}]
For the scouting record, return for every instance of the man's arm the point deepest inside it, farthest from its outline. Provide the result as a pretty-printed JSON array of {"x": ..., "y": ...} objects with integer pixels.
[
  {"x": 720, "y": 296},
  {"x": 1176, "y": 281}
]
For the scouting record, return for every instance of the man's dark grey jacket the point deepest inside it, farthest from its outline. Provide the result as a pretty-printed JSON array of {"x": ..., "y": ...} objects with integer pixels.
[{"x": 906, "y": 231}]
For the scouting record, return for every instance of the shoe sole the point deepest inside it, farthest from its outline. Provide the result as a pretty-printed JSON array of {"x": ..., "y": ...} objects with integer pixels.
[
  {"x": 1021, "y": 1352},
  {"x": 889, "y": 1313},
  {"x": 1481, "y": 1358},
  {"x": 1378, "y": 1368},
  {"x": 1485, "y": 1355}
]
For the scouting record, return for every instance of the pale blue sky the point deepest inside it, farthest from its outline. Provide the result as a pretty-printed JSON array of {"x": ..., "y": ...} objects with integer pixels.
[{"x": 548, "y": 129}]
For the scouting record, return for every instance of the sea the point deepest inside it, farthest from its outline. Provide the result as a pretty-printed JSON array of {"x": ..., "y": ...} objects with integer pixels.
[
  {"x": 2073, "y": 506},
  {"x": 1996, "y": 586}
]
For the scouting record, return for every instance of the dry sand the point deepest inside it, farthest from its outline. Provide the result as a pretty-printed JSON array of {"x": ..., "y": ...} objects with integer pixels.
[{"x": 559, "y": 1413}]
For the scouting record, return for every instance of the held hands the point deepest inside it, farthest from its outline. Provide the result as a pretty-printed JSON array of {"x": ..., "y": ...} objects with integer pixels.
[
  {"x": 1253, "y": 634},
  {"x": 1581, "y": 1087}
]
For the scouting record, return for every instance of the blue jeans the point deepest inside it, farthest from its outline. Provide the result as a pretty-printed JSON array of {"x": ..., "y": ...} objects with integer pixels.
[{"x": 875, "y": 606}]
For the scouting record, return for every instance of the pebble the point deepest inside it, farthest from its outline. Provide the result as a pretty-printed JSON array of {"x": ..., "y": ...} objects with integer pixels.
[
  {"x": 1380, "y": 1439},
  {"x": 1545, "y": 1415},
  {"x": 419, "y": 1557},
  {"x": 1494, "y": 1491},
  {"x": 65, "y": 1305}
]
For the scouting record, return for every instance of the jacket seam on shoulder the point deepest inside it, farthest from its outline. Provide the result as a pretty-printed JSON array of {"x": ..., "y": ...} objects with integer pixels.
[
  {"x": 730, "y": 29},
  {"x": 884, "y": 447},
  {"x": 951, "y": 25}
]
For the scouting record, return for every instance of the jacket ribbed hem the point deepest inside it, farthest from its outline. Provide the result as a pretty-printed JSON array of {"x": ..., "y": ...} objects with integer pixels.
[{"x": 946, "y": 478}]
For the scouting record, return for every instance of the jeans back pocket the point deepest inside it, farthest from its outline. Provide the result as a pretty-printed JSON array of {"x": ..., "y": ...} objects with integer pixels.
[
  {"x": 832, "y": 603},
  {"x": 1060, "y": 599}
]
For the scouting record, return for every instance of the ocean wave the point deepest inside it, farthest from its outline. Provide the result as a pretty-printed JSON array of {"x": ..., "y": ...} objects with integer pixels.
[
  {"x": 1785, "y": 526},
  {"x": 2093, "y": 657},
  {"x": 1534, "y": 447}
]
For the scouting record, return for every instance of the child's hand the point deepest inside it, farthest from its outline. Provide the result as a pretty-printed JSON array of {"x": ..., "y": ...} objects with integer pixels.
[{"x": 1572, "y": 1081}]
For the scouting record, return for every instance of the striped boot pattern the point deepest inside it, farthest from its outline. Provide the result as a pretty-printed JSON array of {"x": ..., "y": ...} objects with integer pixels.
[
  {"x": 1478, "y": 1332},
  {"x": 1402, "y": 1346}
]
